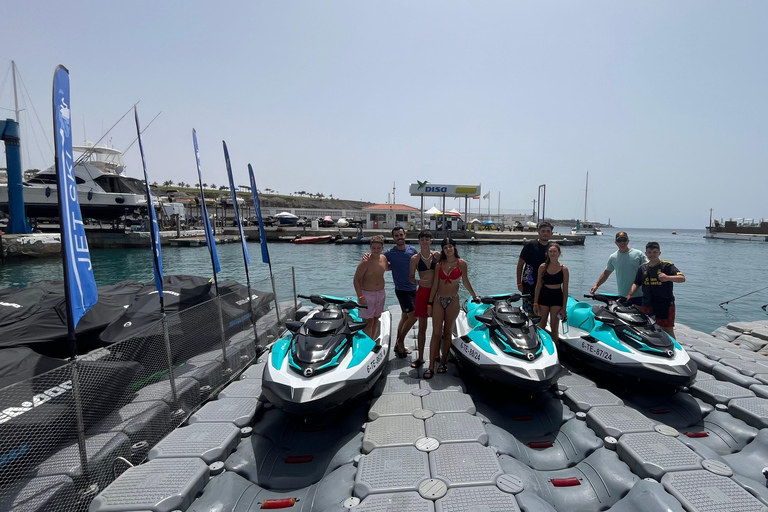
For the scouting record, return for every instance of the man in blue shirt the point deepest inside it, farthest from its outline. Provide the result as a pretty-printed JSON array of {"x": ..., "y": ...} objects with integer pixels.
[
  {"x": 625, "y": 262},
  {"x": 399, "y": 258}
]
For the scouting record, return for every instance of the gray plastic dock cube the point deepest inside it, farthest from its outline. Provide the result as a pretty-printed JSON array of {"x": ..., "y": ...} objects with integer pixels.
[
  {"x": 410, "y": 501},
  {"x": 187, "y": 389},
  {"x": 753, "y": 411},
  {"x": 255, "y": 371},
  {"x": 584, "y": 398},
  {"x": 101, "y": 450},
  {"x": 477, "y": 498},
  {"x": 140, "y": 421},
  {"x": 400, "y": 384},
  {"x": 442, "y": 382},
  {"x": 651, "y": 455},
  {"x": 616, "y": 421},
  {"x": 448, "y": 401},
  {"x": 392, "y": 431},
  {"x": 239, "y": 411},
  {"x": 209, "y": 441},
  {"x": 246, "y": 388},
  {"x": 456, "y": 428},
  {"x": 465, "y": 464},
  {"x": 569, "y": 380},
  {"x": 716, "y": 392},
  {"x": 399, "y": 404},
  {"x": 702, "y": 491},
  {"x": 161, "y": 485},
  {"x": 388, "y": 470}
]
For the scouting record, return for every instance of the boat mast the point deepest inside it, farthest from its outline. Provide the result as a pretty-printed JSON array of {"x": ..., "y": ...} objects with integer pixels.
[{"x": 586, "y": 190}]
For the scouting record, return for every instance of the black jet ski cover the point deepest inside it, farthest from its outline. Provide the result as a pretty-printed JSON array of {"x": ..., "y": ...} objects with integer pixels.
[
  {"x": 182, "y": 292},
  {"x": 21, "y": 363},
  {"x": 36, "y": 316}
]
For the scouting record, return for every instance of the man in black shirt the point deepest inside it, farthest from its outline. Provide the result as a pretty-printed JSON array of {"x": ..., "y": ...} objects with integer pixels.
[
  {"x": 656, "y": 278},
  {"x": 531, "y": 257}
]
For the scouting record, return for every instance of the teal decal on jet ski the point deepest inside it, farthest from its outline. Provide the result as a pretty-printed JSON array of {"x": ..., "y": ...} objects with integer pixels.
[
  {"x": 546, "y": 341},
  {"x": 676, "y": 344},
  {"x": 362, "y": 345},
  {"x": 353, "y": 314},
  {"x": 335, "y": 360},
  {"x": 292, "y": 362},
  {"x": 607, "y": 335},
  {"x": 473, "y": 310},
  {"x": 279, "y": 349},
  {"x": 480, "y": 337},
  {"x": 340, "y": 299}
]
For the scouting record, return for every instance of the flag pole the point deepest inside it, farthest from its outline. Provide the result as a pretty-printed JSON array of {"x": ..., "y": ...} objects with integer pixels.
[
  {"x": 157, "y": 264},
  {"x": 246, "y": 256},
  {"x": 211, "y": 241},
  {"x": 263, "y": 237},
  {"x": 80, "y": 290}
]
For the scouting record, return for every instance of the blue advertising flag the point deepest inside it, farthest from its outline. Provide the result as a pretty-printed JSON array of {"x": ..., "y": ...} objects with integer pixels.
[
  {"x": 157, "y": 257},
  {"x": 262, "y": 236},
  {"x": 206, "y": 221},
  {"x": 78, "y": 273},
  {"x": 234, "y": 205}
]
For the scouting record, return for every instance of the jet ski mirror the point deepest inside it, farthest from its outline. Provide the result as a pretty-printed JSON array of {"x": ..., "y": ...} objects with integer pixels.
[{"x": 293, "y": 325}]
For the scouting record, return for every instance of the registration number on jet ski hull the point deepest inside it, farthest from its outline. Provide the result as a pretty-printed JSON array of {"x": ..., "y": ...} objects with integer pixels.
[
  {"x": 373, "y": 364},
  {"x": 471, "y": 352},
  {"x": 597, "y": 351}
]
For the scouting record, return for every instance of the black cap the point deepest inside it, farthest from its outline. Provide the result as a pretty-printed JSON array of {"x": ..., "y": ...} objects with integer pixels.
[
  {"x": 447, "y": 241},
  {"x": 622, "y": 234}
]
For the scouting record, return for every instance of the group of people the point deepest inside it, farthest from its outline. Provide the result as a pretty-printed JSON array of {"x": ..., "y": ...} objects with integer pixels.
[{"x": 427, "y": 285}]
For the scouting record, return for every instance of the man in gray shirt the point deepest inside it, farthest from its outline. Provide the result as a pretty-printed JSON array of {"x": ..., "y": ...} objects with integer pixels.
[{"x": 625, "y": 262}]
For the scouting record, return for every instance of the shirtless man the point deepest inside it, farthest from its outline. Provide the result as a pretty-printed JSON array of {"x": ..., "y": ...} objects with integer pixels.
[{"x": 369, "y": 286}]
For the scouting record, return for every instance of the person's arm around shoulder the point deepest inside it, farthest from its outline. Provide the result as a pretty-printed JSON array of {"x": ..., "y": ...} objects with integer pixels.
[
  {"x": 362, "y": 268},
  {"x": 465, "y": 279},
  {"x": 566, "y": 279},
  {"x": 538, "y": 288}
]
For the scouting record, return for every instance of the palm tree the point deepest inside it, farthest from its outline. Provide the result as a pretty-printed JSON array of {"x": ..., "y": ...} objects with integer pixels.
[
  {"x": 205, "y": 185},
  {"x": 213, "y": 186},
  {"x": 154, "y": 183},
  {"x": 167, "y": 183}
]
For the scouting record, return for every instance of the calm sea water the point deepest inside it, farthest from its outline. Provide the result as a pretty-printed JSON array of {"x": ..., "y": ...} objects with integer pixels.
[{"x": 716, "y": 270}]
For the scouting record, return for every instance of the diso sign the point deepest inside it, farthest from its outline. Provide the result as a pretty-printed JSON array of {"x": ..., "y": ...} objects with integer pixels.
[{"x": 432, "y": 189}]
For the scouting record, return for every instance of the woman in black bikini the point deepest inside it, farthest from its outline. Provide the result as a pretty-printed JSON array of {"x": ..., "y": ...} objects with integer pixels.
[
  {"x": 551, "y": 291},
  {"x": 444, "y": 303},
  {"x": 425, "y": 262}
]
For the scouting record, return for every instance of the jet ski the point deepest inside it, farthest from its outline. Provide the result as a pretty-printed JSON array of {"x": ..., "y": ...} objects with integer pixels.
[
  {"x": 619, "y": 339},
  {"x": 325, "y": 358},
  {"x": 500, "y": 342}
]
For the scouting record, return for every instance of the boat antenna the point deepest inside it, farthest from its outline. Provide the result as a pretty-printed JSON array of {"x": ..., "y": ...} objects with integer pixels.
[
  {"x": 741, "y": 296},
  {"x": 89, "y": 152},
  {"x": 142, "y": 131}
]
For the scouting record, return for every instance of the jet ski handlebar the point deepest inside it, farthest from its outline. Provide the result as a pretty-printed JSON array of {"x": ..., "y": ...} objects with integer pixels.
[
  {"x": 510, "y": 297},
  {"x": 325, "y": 300},
  {"x": 607, "y": 299}
]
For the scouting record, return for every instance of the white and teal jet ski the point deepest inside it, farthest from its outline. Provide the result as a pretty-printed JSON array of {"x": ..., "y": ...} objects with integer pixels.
[
  {"x": 498, "y": 341},
  {"x": 620, "y": 340},
  {"x": 325, "y": 359}
]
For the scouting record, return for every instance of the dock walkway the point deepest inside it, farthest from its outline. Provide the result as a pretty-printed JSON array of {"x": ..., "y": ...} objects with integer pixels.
[{"x": 452, "y": 444}]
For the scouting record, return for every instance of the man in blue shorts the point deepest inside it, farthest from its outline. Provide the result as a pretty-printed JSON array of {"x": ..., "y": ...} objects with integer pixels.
[
  {"x": 399, "y": 258},
  {"x": 625, "y": 262}
]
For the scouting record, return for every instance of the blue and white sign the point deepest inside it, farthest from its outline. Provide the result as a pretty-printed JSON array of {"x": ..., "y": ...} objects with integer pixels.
[
  {"x": 262, "y": 235},
  {"x": 206, "y": 221},
  {"x": 157, "y": 257},
  {"x": 77, "y": 260},
  {"x": 233, "y": 191}
]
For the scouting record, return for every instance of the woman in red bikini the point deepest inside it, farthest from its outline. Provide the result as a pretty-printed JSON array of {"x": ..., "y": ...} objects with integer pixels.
[
  {"x": 444, "y": 303},
  {"x": 551, "y": 291}
]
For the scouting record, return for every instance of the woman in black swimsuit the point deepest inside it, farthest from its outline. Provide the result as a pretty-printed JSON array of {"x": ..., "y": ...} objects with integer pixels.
[
  {"x": 551, "y": 291},
  {"x": 444, "y": 303},
  {"x": 425, "y": 262}
]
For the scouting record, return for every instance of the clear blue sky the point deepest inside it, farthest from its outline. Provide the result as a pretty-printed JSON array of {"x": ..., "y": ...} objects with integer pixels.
[{"x": 664, "y": 103}]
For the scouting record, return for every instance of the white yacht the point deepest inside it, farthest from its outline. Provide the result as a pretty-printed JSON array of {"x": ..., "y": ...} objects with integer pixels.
[{"x": 105, "y": 192}]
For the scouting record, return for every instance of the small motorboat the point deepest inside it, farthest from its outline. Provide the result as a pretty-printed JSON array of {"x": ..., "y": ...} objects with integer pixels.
[{"x": 314, "y": 239}]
